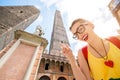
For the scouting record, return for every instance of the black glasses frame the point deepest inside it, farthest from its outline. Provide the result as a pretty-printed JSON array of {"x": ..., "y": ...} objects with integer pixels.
[{"x": 80, "y": 29}]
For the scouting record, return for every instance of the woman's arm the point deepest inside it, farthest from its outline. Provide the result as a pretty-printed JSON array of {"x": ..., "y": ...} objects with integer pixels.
[
  {"x": 76, "y": 70},
  {"x": 84, "y": 65}
]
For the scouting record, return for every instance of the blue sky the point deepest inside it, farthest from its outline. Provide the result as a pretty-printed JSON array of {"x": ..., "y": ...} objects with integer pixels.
[{"x": 94, "y": 10}]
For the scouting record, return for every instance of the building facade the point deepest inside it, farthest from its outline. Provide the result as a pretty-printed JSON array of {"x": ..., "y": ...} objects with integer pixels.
[
  {"x": 114, "y": 7},
  {"x": 14, "y": 18},
  {"x": 20, "y": 59}
]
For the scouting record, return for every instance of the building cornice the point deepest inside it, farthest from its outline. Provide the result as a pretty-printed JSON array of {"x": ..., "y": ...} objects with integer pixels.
[{"x": 19, "y": 34}]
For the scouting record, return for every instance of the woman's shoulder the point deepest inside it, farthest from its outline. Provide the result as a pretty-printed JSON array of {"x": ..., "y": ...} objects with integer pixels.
[
  {"x": 115, "y": 40},
  {"x": 118, "y": 36}
]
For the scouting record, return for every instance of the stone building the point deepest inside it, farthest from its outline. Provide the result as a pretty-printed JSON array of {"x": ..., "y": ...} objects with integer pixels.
[
  {"x": 54, "y": 65},
  {"x": 15, "y": 18},
  {"x": 114, "y": 7},
  {"x": 22, "y": 57}
]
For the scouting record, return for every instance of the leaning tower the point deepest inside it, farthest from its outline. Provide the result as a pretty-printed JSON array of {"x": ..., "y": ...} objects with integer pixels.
[
  {"x": 58, "y": 35},
  {"x": 54, "y": 65},
  {"x": 14, "y": 18}
]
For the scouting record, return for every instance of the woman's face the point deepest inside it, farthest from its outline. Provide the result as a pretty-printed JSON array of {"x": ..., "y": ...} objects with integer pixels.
[{"x": 80, "y": 30}]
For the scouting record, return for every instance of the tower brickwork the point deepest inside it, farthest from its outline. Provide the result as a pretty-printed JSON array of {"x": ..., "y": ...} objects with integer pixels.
[{"x": 58, "y": 35}]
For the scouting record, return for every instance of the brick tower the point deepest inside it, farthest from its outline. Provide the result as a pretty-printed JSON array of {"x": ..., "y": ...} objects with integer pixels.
[
  {"x": 58, "y": 35},
  {"x": 20, "y": 59},
  {"x": 54, "y": 65},
  {"x": 15, "y": 18}
]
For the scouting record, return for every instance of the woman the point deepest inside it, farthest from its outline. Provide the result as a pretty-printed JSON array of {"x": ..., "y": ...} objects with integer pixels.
[{"x": 103, "y": 57}]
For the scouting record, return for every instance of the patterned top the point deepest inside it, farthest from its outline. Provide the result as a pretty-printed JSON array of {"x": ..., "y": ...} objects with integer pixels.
[{"x": 100, "y": 71}]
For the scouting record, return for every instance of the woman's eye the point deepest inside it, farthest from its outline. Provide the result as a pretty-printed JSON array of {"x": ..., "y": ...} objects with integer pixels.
[{"x": 80, "y": 29}]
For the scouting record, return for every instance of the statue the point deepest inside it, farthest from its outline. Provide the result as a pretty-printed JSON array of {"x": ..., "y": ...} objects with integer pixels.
[{"x": 39, "y": 31}]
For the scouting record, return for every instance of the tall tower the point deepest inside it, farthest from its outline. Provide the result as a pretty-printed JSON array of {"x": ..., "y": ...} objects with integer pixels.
[
  {"x": 14, "y": 18},
  {"x": 55, "y": 66},
  {"x": 58, "y": 35}
]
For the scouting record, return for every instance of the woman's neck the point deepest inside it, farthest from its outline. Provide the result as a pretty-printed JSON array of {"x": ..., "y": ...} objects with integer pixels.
[
  {"x": 94, "y": 40},
  {"x": 95, "y": 43}
]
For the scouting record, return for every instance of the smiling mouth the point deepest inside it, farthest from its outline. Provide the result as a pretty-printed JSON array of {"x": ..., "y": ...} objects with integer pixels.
[{"x": 85, "y": 37}]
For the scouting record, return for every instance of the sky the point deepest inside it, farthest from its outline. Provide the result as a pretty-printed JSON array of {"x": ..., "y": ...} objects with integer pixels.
[{"x": 95, "y": 11}]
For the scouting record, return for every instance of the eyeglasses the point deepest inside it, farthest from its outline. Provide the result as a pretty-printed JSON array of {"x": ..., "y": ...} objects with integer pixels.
[{"x": 79, "y": 30}]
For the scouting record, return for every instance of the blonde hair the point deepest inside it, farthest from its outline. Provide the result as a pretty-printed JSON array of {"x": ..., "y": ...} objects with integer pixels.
[{"x": 77, "y": 20}]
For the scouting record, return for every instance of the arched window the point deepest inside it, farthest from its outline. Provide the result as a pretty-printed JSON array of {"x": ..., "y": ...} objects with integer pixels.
[
  {"x": 46, "y": 66},
  {"x": 74, "y": 79},
  {"x": 61, "y": 68},
  {"x": 44, "y": 78},
  {"x": 61, "y": 78}
]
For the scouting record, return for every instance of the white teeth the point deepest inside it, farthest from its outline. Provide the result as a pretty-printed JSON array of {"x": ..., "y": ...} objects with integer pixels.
[{"x": 85, "y": 36}]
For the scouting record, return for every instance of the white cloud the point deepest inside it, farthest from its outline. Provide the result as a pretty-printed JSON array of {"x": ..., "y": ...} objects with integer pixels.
[{"x": 81, "y": 8}]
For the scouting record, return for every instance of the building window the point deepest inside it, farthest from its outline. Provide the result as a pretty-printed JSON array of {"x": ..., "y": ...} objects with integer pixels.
[
  {"x": 21, "y": 11},
  {"x": 74, "y": 79},
  {"x": 61, "y": 68},
  {"x": 44, "y": 78},
  {"x": 61, "y": 78},
  {"x": 46, "y": 66}
]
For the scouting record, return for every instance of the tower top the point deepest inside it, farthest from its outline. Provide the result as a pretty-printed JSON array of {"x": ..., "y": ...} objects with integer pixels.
[{"x": 58, "y": 35}]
